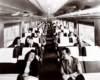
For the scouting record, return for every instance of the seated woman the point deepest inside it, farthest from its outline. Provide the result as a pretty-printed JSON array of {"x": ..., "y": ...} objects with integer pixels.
[
  {"x": 16, "y": 42},
  {"x": 18, "y": 46},
  {"x": 29, "y": 67},
  {"x": 26, "y": 42}
]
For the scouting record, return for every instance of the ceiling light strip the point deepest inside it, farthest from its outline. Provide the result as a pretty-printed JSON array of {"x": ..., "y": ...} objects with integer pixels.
[
  {"x": 60, "y": 3},
  {"x": 40, "y": 5},
  {"x": 56, "y": 7}
]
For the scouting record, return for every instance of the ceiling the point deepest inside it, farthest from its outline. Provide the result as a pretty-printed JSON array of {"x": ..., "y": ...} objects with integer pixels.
[
  {"x": 36, "y": 8},
  {"x": 18, "y": 8},
  {"x": 76, "y": 5},
  {"x": 48, "y": 6}
]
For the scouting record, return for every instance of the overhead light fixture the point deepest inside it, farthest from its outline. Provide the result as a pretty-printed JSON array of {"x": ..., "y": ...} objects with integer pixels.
[
  {"x": 90, "y": 0},
  {"x": 48, "y": 1},
  {"x": 48, "y": 9},
  {"x": 15, "y": 14},
  {"x": 74, "y": 7},
  {"x": 25, "y": 15}
]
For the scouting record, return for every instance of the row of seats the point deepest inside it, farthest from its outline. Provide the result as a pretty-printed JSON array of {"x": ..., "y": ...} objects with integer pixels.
[
  {"x": 64, "y": 41},
  {"x": 36, "y": 39},
  {"x": 8, "y": 61}
]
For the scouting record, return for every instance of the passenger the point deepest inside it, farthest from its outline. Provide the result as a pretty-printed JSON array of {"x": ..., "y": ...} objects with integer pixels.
[
  {"x": 76, "y": 40},
  {"x": 70, "y": 67},
  {"x": 29, "y": 66},
  {"x": 30, "y": 30},
  {"x": 42, "y": 39},
  {"x": 18, "y": 46},
  {"x": 56, "y": 39},
  {"x": 70, "y": 33},
  {"x": 53, "y": 27},
  {"x": 37, "y": 34},
  {"x": 30, "y": 43},
  {"x": 59, "y": 27},
  {"x": 72, "y": 38},
  {"x": 27, "y": 41},
  {"x": 17, "y": 42}
]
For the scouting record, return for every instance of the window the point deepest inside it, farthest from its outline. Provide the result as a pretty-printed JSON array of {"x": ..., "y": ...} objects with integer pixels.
[
  {"x": 71, "y": 26},
  {"x": 86, "y": 33},
  {"x": 10, "y": 32}
]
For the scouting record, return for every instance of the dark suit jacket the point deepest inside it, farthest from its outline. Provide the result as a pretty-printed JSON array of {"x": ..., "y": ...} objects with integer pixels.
[
  {"x": 38, "y": 50},
  {"x": 74, "y": 66},
  {"x": 34, "y": 67}
]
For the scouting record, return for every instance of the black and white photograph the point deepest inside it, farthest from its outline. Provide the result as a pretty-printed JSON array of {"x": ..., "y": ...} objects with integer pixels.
[{"x": 49, "y": 39}]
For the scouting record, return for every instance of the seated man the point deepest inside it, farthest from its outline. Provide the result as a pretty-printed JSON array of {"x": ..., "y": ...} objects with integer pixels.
[
  {"x": 31, "y": 43},
  {"x": 70, "y": 66}
]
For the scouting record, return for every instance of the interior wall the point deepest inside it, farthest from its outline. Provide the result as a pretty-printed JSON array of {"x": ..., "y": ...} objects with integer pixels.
[
  {"x": 75, "y": 27},
  {"x": 22, "y": 28},
  {"x": 97, "y": 31},
  {"x": 1, "y": 34}
]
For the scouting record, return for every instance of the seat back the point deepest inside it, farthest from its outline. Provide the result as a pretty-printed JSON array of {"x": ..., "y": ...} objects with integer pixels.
[
  {"x": 6, "y": 55},
  {"x": 10, "y": 77},
  {"x": 27, "y": 34},
  {"x": 92, "y": 53},
  {"x": 7, "y": 62},
  {"x": 64, "y": 40},
  {"x": 92, "y": 59}
]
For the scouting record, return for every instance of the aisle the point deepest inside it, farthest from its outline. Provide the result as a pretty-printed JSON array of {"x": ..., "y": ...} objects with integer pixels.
[{"x": 50, "y": 69}]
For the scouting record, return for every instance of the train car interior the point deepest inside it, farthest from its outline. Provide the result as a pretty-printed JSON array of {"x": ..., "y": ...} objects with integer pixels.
[{"x": 36, "y": 34}]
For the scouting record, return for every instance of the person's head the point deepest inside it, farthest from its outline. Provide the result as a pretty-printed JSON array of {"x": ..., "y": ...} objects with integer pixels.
[
  {"x": 62, "y": 31},
  {"x": 29, "y": 40},
  {"x": 37, "y": 33},
  {"x": 75, "y": 35},
  {"x": 30, "y": 30},
  {"x": 64, "y": 27},
  {"x": 56, "y": 22},
  {"x": 70, "y": 34},
  {"x": 80, "y": 77},
  {"x": 66, "y": 53},
  {"x": 16, "y": 41},
  {"x": 30, "y": 56},
  {"x": 53, "y": 24}
]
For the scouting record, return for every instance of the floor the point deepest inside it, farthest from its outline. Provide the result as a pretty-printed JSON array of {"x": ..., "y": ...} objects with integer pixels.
[{"x": 50, "y": 69}]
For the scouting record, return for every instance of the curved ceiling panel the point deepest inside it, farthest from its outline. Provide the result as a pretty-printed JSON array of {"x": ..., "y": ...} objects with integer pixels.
[
  {"x": 75, "y": 5},
  {"x": 48, "y": 6},
  {"x": 19, "y": 5}
]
